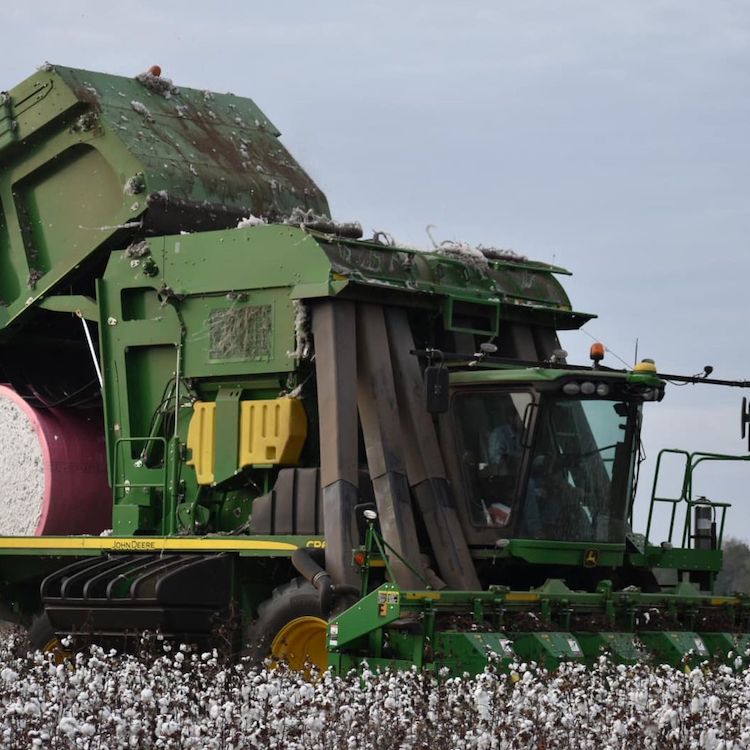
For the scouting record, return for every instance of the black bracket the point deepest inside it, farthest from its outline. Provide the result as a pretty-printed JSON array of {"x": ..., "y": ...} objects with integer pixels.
[{"x": 436, "y": 383}]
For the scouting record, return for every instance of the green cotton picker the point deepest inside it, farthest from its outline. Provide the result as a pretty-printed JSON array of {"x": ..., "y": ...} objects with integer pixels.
[{"x": 230, "y": 419}]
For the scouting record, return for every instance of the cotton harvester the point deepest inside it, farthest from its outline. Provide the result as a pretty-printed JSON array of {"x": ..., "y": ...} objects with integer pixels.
[{"x": 312, "y": 446}]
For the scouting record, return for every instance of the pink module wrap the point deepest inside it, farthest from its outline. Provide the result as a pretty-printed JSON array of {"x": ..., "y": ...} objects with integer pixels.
[{"x": 53, "y": 472}]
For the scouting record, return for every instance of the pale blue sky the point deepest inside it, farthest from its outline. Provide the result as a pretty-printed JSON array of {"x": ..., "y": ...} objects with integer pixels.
[{"x": 610, "y": 137}]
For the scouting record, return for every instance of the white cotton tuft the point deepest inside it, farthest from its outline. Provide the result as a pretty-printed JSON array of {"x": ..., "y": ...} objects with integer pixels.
[{"x": 251, "y": 221}]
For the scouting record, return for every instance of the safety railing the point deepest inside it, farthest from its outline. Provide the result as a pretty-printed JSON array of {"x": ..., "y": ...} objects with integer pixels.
[{"x": 686, "y": 498}]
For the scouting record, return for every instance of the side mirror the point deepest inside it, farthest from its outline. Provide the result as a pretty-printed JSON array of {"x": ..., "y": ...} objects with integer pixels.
[
  {"x": 745, "y": 420},
  {"x": 436, "y": 389}
]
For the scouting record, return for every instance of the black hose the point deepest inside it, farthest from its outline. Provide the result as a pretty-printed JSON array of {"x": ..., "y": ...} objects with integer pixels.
[
  {"x": 318, "y": 577},
  {"x": 345, "y": 589}
]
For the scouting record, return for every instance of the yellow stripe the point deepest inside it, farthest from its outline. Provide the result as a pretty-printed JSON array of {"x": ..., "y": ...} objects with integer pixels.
[
  {"x": 421, "y": 595},
  {"x": 140, "y": 544},
  {"x": 521, "y": 597},
  {"x": 720, "y": 601}
]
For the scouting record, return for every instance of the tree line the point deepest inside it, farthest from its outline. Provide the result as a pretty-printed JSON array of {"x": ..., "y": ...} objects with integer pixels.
[{"x": 735, "y": 576}]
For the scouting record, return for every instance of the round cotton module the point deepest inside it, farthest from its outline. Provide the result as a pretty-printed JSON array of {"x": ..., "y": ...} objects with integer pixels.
[{"x": 53, "y": 474}]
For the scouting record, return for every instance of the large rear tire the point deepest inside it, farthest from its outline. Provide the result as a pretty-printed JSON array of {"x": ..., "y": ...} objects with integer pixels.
[{"x": 290, "y": 629}]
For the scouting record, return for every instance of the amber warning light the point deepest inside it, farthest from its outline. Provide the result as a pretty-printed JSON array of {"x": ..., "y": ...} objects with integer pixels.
[{"x": 597, "y": 352}]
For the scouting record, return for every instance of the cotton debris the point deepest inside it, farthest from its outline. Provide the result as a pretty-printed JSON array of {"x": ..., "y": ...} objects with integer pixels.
[
  {"x": 156, "y": 83},
  {"x": 142, "y": 110},
  {"x": 251, "y": 221}
]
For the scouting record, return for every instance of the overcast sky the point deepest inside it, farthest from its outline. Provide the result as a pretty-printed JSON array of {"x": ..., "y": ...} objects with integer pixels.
[{"x": 608, "y": 137}]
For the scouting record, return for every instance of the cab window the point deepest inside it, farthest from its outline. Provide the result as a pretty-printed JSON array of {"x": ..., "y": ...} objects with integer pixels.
[{"x": 490, "y": 431}]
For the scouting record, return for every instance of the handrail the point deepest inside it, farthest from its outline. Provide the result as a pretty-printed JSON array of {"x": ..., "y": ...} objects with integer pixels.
[
  {"x": 674, "y": 501},
  {"x": 692, "y": 462},
  {"x": 698, "y": 458}
]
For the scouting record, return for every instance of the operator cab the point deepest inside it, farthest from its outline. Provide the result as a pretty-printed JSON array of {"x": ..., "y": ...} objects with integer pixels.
[{"x": 553, "y": 458}]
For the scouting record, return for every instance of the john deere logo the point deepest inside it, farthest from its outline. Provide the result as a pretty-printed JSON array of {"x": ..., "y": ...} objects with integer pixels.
[{"x": 591, "y": 558}]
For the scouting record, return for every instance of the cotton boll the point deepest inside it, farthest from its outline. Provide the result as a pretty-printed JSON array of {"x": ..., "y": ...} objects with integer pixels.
[
  {"x": 709, "y": 740},
  {"x": 68, "y": 725},
  {"x": 8, "y": 675},
  {"x": 168, "y": 728}
]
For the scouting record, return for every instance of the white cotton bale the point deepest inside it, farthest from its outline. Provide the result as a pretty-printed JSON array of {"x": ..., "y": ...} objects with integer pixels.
[
  {"x": 21, "y": 471},
  {"x": 53, "y": 477}
]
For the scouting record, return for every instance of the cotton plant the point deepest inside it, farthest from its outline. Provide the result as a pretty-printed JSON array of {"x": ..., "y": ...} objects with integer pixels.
[{"x": 173, "y": 696}]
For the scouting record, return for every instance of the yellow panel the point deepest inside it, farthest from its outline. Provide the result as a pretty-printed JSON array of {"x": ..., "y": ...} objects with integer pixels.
[
  {"x": 201, "y": 441},
  {"x": 272, "y": 431}
]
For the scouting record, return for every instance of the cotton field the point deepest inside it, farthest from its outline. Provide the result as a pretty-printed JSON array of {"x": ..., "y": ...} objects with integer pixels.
[{"x": 173, "y": 697}]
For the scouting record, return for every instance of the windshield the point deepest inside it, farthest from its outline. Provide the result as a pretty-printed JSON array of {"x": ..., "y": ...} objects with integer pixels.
[
  {"x": 580, "y": 471},
  {"x": 490, "y": 427}
]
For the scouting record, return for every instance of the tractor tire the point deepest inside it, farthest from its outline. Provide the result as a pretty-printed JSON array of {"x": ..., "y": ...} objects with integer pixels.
[{"x": 290, "y": 629}]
